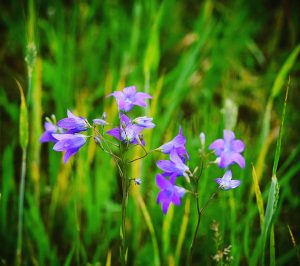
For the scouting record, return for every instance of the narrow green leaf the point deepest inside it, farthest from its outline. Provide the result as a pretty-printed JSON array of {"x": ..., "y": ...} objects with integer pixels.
[
  {"x": 278, "y": 145},
  {"x": 284, "y": 71},
  {"x": 23, "y": 124},
  {"x": 259, "y": 198}
]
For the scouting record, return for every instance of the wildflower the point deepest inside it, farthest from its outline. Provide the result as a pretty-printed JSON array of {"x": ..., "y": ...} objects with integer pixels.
[
  {"x": 100, "y": 121},
  {"x": 174, "y": 166},
  {"x": 178, "y": 143},
  {"x": 144, "y": 121},
  {"x": 127, "y": 131},
  {"x": 226, "y": 181},
  {"x": 73, "y": 124},
  {"x": 169, "y": 193},
  {"x": 202, "y": 139},
  {"x": 137, "y": 181},
  {"x": 70, "y": 143},
  {"x": 127, "y": 98},
  {"x": 228, "y": 150},
  {"x": 50, "y": 129}
]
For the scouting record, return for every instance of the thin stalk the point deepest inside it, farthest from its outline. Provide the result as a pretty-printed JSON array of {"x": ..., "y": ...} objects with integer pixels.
[
  {"x": 199, "y": 214},
  {"x": 125, "y": 188},
  {"x": 21, "y": 207}
]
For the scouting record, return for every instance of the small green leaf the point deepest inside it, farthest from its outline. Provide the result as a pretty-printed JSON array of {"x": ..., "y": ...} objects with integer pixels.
[{"x": 23, "y": 124}]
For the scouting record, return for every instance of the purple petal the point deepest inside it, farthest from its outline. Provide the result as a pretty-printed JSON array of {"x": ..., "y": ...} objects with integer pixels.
[
  {"x": 129, "y": 91},
  {"x": 228, "y": 136},
  {"x": 165, "y": 206},
  {"x": 176, "y": 199},
  {"x": 239, "y": 159},
  {"x": 69, "y": 153},
  {"x": 217, "y": 145},
  {"x": 218, "y": 180},
  {"x": 99, "y": 121},
  {"x": 237, "y": 146},
  {"x": 161, "y": 182},
  {"x": 174, "y": 157},
  {"x": 166, "y": 166},
  {"x": 117, "y": 94},
  {"x": 115, "y": 132},
  {"x": 70, "y": 114},
  {"x": 142, "y": 95},
  {"x": 125, "y": 119},
  {"x": 227, "y": 176},
  {"x": 50, "y": 127},
  {"x": 234, "y": 183}
]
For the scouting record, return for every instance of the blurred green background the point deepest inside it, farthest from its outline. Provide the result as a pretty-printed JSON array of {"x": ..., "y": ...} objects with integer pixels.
[{"x": 208, "y": 65}]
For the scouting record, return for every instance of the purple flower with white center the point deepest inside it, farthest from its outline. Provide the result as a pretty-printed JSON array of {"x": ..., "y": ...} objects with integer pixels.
[
  {"x": 169, "y": 193},
  {"x": 226, "y": 181},
  {"x": 73, "y": 124},
  {"x": 70, "y": 143},
  {"x": 174, "y": 166},
  {"x": 228, "y": 150},
  {"x": 50, "y": 129},
  {"x": 177, "y": 143},
  {"x": 127, "y": 98},
  {"x": 144, "y": 121},
  {"x": 127, "y": 132}
]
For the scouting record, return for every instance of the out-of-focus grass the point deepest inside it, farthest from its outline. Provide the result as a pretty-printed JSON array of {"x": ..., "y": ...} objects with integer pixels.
[{"x": 194, "y": 59}]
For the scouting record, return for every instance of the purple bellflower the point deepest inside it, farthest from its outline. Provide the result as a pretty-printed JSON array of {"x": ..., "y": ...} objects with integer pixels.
[
  {"x": 169, "y": 193},
  {"x": 228, "y": 150},
  {"x": 127, "y": 98},
  {"x": 50, "y": 129},
  {"x": 174, "y": 166},
  {"x": 127, "y": 132},
  {"x": 73, "y": 124},
  {"x": 70, "y": 143},
  {"x": 144, "y": 121},
  {"x": 226, "y": 181},
  {"x": 178, "y": 143}
]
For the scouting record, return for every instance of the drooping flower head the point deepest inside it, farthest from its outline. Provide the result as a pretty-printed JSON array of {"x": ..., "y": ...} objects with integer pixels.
[
  {"x": 174, "y": 166},
  {"x": 127, "y": 98},
  {"x": 127, "y": 132},
  {"x": 169, "y": 193},
  {"x": 70, "y": 143},
  {"x": 228, "y": 150},
  {"x": 101, "y": 121},
  {"x": 144, "y": 121},
  {"x": 73, "y": 123},
  {"x": 50, "y": 129},
  {"x": 226, "y": 181},
  {"x": 178, "y": 143}
]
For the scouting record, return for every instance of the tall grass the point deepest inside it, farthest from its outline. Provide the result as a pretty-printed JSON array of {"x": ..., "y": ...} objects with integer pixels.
[{"x": 193, "y": 58}]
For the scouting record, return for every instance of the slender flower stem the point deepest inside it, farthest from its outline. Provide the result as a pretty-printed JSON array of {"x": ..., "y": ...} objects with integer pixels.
[
  {"x": 199, "y": 213},
  {"x": 125, "y": 189}
]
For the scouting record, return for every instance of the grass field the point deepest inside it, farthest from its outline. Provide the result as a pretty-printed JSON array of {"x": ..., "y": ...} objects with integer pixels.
[{"x": 208, "y": 65}]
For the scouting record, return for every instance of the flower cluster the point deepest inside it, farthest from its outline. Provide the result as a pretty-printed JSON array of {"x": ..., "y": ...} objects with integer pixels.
[
  {"x": 228, "y": 151},
  {"x": 173, "y": 168},
  {"x": 65, "y": 134}
]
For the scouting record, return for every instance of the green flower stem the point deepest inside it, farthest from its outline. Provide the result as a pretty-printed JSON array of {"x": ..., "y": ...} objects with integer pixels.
[
  {"x": 125, "y": 189},
  {"x": 199, "y": 214}
]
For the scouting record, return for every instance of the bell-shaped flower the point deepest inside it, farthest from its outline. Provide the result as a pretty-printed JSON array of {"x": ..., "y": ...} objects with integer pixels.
[
  {"x": 50, "y": 129},
  {"x": 144, "y": 121},
  {"x": 226, "y": 181},
  {"x": 228, "y": 150},
  {"x": 73, "y": 123},
  {"x": 177, "y": 143},
  {"x": 127, "y": 98},
  {"x": 169, "y": 193},
  {"x": 173, "y": 166},
  {"x": 70, "y": 143},
  {"x": 127, "y": 132}
]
